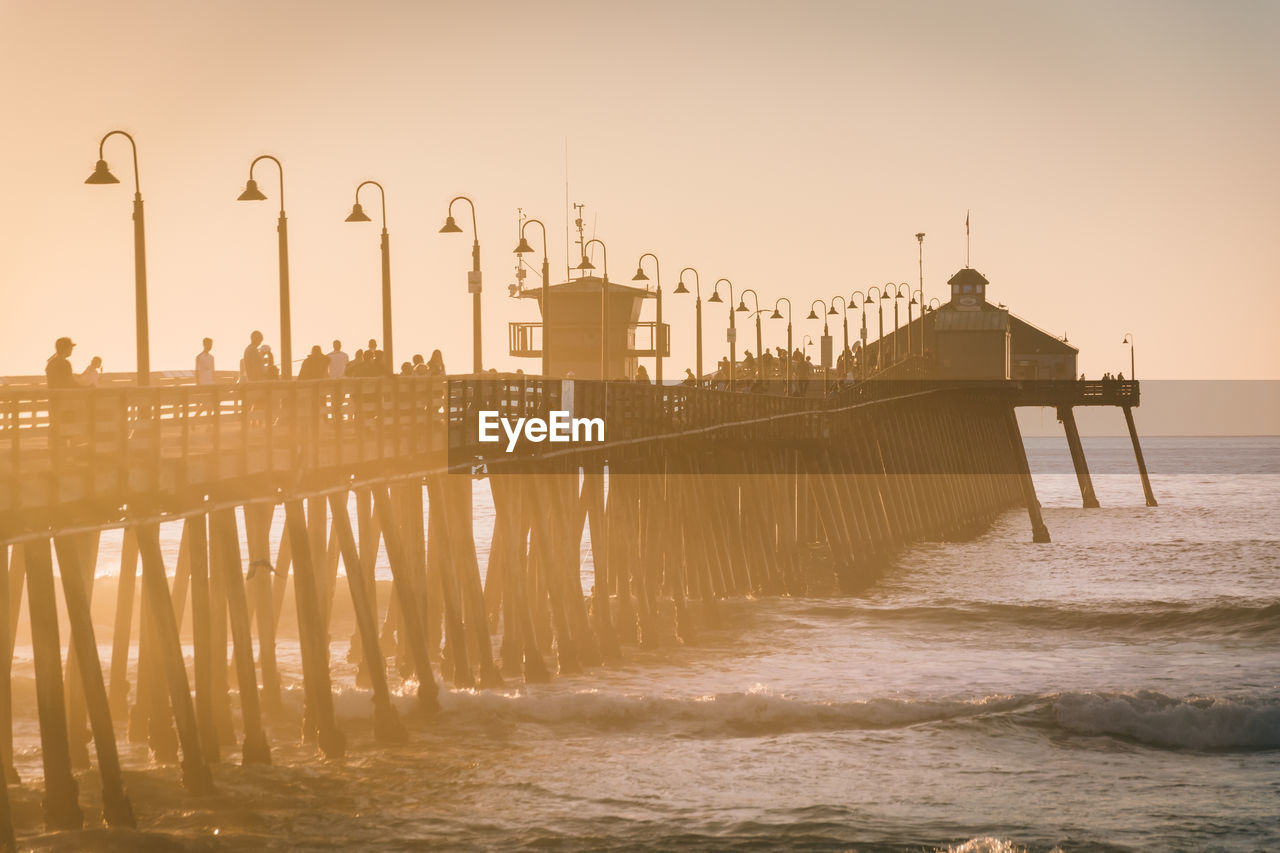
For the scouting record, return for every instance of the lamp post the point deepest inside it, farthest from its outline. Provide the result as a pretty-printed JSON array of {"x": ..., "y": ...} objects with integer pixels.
[
  {"x": 473, "y": 278},
  {"x": 102, "y": 175},
  {"x": 777, "y": 315},
  {"x": 910, "y": 304},
  {"x": 859, "y": 298},
  {"x": 546, "y": 280},
  {"x": 742, "y": 307},
  {"x": 358, "y": 215},
  {"x": 1128, "y": 339},
  {"x": 826, "y": 333},
  {"x": 697, "y": 316},
  {"x": 658, "y": 337},
  {"x": 252, "y": 193},
  {"x": 920, "y": 242},
  {"x": 844, "y": 309},
  {"x": 895, "y": 296},
  {"x": 733, "y": 328},
  {"x": 604, "y": 303},
  {"x": 880, "y": 296}
]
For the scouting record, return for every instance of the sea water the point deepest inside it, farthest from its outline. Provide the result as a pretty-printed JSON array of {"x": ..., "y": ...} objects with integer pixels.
[{"x": 1118, "y": 688}]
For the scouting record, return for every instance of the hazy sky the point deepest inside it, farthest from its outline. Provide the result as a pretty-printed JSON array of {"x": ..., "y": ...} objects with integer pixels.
[{"x": 1119, "y": 159}]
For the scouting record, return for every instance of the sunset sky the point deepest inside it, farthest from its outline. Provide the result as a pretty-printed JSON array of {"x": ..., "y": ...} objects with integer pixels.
[{"x": 1119, "y": 162}]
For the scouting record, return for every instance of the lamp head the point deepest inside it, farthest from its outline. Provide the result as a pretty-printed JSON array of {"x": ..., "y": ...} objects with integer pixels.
[
  {"x": 524, "y": 247},
  {"x": 868, "y": 300},
  {"x": 358, "y": 214},
  {"x": 742, "y": 306},
  {"x": 450, "y": 226},
  {"x": 715, "y": 297},
  {"x": 833, "y": 312},
  {"x": 639, "y": 276},
  {"x": 251, "y": 192},
  {"x": 813, "y": 315},
  {"x": 680, "y": 288},
  {"x": 776, "y": 315},
  {"x": 101, "y": 175},
  {"x": 913, "y": 300},
  {"x": 586, "y": 264},
  {"x": 884, "y": 294}
]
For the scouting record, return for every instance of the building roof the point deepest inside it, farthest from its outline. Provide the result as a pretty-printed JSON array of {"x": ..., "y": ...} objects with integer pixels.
[
  {"x": 585, "y": 284},
  {"x": 968, "y": 275}
]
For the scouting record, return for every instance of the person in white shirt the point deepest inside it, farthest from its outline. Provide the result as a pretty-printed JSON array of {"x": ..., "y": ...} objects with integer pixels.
[
  {"x": 204, "y": 364},
  {"x": 337, "y": 361}
]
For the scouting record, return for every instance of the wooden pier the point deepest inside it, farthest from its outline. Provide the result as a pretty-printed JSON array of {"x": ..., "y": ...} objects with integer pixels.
[{"x": 694, "y": 495}]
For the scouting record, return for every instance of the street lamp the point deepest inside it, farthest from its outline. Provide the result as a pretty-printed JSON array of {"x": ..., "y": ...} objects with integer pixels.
[
  {"x": 546, "y": 280},
  {"x": 920, "y": 242},
  {"x": 658, "y": 336},
  {"x": 697, "y": 308},
  {"x": 910, "y": 305},
  {"x": 604, "y": 303},
  {"x": 252, "y": 193},
  {"x": 880, "y": 297},
  {"x": 1128, "y": 339},
  {"x": 777, "y": 315},
  {"x": 102, "y": 175},
  {"x": 733, "y": 327},
  {"x": 859, "y": 298},
  {"x": 473, "y": 277},
  {"x": 897, "y": 294},
  {"x": 742, "y": 306},
  {"x": 844, "y": 309},
  {"x": 358, "y": 215}
]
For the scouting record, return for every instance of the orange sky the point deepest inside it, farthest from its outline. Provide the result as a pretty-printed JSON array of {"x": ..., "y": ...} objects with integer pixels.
[{"x": 1119, "y": 161}]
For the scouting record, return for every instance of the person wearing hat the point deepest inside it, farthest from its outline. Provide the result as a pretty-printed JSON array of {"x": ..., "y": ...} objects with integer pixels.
[{"x": 57, "y": 370}]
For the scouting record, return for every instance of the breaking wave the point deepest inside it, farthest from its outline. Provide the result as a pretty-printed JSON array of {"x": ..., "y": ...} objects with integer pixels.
[
  {"x": 1233, "y": 619},
  {"x": 1198, "y": 723},
  {"x": 1193, "y": 723}
]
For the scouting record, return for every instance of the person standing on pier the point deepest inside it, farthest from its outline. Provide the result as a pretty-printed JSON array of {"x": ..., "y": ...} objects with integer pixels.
[
  {"x": 204, "y": 363},
  {"x": 253, "y": 367},
  {"x": 57, "y": 370},
  {"x": 315, "y": 365},
  {"x": 337, "y": 361},
  {"x": 435, "y": 364}
]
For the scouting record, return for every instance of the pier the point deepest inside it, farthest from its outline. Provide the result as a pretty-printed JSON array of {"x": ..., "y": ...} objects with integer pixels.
[{"x": 692, "y": 496}]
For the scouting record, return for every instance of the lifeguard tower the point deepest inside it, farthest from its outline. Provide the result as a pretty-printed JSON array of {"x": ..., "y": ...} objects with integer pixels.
[{"x": 583, "y": 312}]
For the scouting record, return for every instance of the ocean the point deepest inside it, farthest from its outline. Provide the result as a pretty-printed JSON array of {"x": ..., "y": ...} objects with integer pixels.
[{"x": 1117, "y": 689}]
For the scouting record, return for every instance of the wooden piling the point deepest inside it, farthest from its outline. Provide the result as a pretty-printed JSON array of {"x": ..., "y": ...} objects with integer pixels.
[
  {"x": 61, "y": 791},
  {"x": 387, "y": 726},
  {"x": 1137, "y": 455},
  {"x": 1068, "y": 418},
  {"x": 255, "y": 749},
  {"x": 116, "y": 808},
  {"x": 195, "y": 772},
  {"x": 312, "y": 637}
]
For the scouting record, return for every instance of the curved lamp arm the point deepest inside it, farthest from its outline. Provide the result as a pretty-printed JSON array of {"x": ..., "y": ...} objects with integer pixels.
[
  {"x": 102, "y": 175},
  {"x": 604, "y": 249},
  {"x": 382, "y": 193},
  {"x": 697, "y": 284},
  {"x": 279, "y": 168},
  {"x": 475, "y": 233},
  {"x": 657, "y": 271},
  {"x": 526, "y": 224},
  {"x": 779, "y": 301}
]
